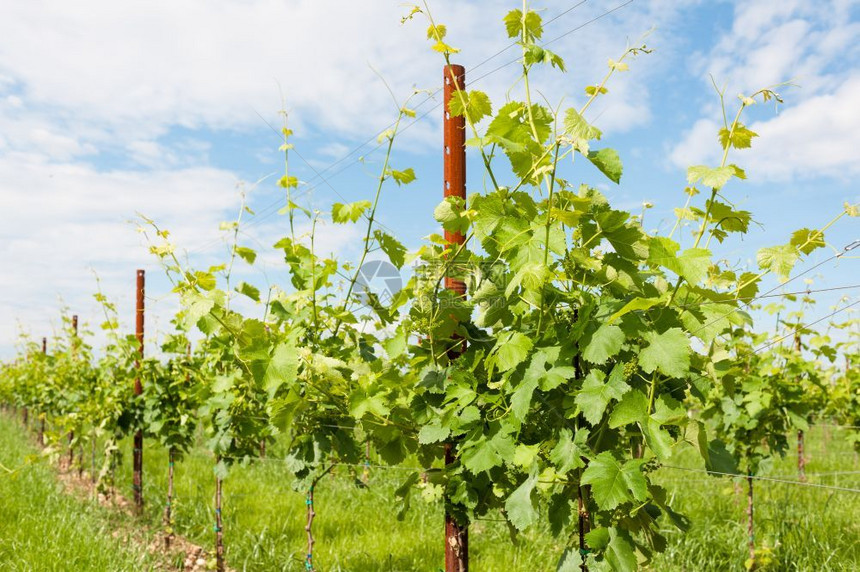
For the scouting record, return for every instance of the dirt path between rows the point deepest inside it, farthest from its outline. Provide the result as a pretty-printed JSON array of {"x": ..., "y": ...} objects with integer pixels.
[{"x": 194, "y": 558}]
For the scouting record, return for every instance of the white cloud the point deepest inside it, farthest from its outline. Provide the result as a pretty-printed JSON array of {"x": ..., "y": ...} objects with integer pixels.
[
  {"x": 817, "y": 132},
  {"x": 60, "y": 220},
  {"x": 87, "y": 82},
  {"x": 136, "y": 68}
]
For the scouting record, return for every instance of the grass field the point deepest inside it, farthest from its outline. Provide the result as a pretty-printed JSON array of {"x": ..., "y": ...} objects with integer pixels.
[
  {"x": 356, "y": 529},
  {"x": 43, "y": 529}
]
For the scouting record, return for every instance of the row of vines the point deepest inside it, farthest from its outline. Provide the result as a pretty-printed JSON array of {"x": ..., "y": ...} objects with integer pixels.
[{"x": 582, "y": 353}]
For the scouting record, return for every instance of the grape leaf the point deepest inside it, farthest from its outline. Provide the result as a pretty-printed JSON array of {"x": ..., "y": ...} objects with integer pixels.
[
  {"x": 283, "y": 367},
  {"x": 739, "y": 138},
  {"x": 569, "y": 451},
  {"x": 519, "y": 507},
  {"x": 668, "y": 353},
  {"x": 604, "y": 343},
  {"x": 714, "y": 178},
  {"x": 614, "y": 483},
  {"x": 778, "y": 259},
  {"x": 474, "y": 105},
  {"x": 595, "y": 395},
  {"x": 512, "y": 348},
  {"x": 350, "y": 212},
  {"x": 403, "y": 177},
  {"x": 609, "y": 163}
]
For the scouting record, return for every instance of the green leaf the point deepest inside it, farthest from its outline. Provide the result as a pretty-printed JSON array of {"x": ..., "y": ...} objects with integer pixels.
[
  {"x": 403, "y": 177},
  {"x": 620, "y": 553},
  {"x": 570, "y": 561},
  {"x": 595, "y": 395},
  {"x": 603, "y": 344},
  {"x": 614, "y": 483},
  {"x": 519, "y": 507},
  {"x": 609, "y": 163},
  {"x": 283, "y": 367},
  {"x": 474, "y": 105},
  {"x": 433, "y": 434},
  {"x": 634, "y": 305},
  {"x": 719, "y": 458},
  {"x": 633, "y": 408},
  {"x": 361, "y": 402},
  {"x": 392, "y": 247},
  {"x": 740, "y": 138},
  {"x": 221, "y": 470},
  {"x": 350, "y": 212},
  {"x": 778, "y": 259},
  {"x": 521, "y": 400},
  {"x": 288, "y": 182},
  {"x": 692, "y": 264},
  {"x": 535, "y": 54},
  {"x": 205, "y": 280},
  {"x": 714, "y": 178},
  {"x": 437, "y": 32},
  {"x": 195, "y": 307},
  {"x": 668, "y": 353},
  {"x": 579, "y": 130},
  {"x": 511, "y": 129},
  {"x": 514, "y": 24},
  {"x": 487, "y": 453},
  {"x": 806, "y": 240},
  {"x": 512, "y": 348},
  {"x": 570, "y": 450},
  {"x": 247, "y": 254},
  {"x": 443, "y": 48},
  {"x": 395, "y": 345},
  {"x": 450, "y": 213},
  {"x": 657, "y": 439},
  {"x": 248, "y": 290}
]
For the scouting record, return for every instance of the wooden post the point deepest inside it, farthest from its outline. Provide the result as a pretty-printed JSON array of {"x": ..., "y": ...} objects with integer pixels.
[
  {"x": 454, "y": 149},
  {"x": 137, "y": 457}
]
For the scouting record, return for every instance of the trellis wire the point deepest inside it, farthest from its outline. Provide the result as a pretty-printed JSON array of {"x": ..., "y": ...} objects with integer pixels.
[{"x": 763, "y": 478}]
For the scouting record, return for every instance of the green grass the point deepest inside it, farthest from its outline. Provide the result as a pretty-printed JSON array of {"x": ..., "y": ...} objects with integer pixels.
[
  {"x": 357, "y": 531},
  {"x": 807, "y": 529},
  {"x": 42, "y": 528}
]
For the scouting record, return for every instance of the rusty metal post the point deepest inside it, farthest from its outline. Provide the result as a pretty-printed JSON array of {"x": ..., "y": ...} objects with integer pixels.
[
  {"x": 137, "y": 460},
  {"x": 454, "y": 149}
]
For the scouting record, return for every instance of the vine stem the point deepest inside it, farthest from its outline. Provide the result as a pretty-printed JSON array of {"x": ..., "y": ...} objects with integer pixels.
[
  {"x": 801, "y": 456},
  {"x": 710, "y": 202},
  {"x": 168, "y": 508},
  {"x": 219, "y": 535},
  {"x": 311, "y": 513},
  {"x": 286, "y": 133},
  {"x": 460, "y": 94},
  {"x": 367, "y": 236},
  {"x": 750, "y": 521}
]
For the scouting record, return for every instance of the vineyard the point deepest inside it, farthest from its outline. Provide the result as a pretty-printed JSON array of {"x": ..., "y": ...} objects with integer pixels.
[{"x": 549, "y": 386}]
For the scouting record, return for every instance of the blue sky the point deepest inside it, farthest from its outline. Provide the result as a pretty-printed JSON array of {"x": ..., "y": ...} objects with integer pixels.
[{"x": 108, "y": 109}]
